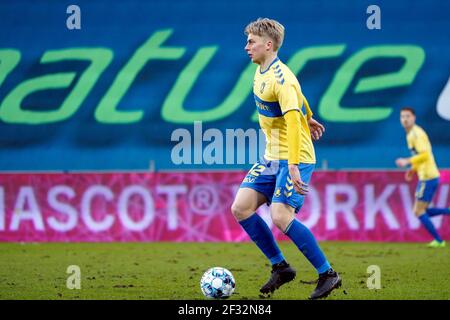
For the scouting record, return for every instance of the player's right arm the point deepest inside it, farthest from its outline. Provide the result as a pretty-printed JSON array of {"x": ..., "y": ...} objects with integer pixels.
[
  {"x": 419, "y": 158},
  {"x": 420, "y": 144},
  {"x": 315, "y": 127},
  {"x": 414, "y": 161}
]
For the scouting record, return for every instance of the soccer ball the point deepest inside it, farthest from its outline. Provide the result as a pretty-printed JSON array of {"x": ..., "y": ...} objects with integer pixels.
[{"x": 217, "y": 283}]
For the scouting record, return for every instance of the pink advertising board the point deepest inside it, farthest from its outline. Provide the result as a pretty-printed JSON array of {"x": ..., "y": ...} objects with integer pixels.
[{"x": 195, "y": 207}]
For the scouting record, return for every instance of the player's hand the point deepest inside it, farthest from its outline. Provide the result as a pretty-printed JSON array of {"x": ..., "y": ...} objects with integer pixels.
[
  {"x": 299, "y": 186},
  {"x": 402, "y": 162},
  {"x": 409, "y": 175},
  {"x": 316, "y": 128}
]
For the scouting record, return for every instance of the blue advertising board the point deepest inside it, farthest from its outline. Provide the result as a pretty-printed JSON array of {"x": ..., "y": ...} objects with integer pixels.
[{"x": 111, "y": 92}]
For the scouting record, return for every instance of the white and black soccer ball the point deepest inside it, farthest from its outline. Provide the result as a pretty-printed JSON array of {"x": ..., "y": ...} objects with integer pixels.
[{"x": 217, "y": 283}]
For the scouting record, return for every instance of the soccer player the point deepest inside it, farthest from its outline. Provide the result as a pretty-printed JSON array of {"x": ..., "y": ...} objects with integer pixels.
[
  {"x": 281, "y": 177},
  {"x": 423, "y": 163}
]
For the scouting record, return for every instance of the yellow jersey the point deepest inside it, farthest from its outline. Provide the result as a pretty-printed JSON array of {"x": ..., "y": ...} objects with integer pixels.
[
  {"x": 423, "y": 160},
  {"x": 276, "y": 91}
]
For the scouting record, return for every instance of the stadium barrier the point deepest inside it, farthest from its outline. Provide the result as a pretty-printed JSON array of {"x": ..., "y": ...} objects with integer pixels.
[{"x": 182, "y": 206}]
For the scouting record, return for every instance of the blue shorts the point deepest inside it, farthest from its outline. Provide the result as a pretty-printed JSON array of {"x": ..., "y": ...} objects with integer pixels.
[
  {"x": 271, "y": 178},
  {"x": 426, "y": 189}
]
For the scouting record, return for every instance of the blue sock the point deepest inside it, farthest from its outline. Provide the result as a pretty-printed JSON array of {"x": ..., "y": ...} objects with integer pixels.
[
  {"x": 425, "y": 219},
  {"x": 431, "y": 212},
  {"x": 261, "y": 234},
  {"x": 307, "y": 244}
]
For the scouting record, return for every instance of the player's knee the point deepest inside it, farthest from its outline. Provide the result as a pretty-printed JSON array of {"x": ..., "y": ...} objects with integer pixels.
[
  {"x": 419, "y": 212},
  {"x": 239, "y": 211},
  {"x": 419, "y": 209},
  {"x": 280, "y": 221}
]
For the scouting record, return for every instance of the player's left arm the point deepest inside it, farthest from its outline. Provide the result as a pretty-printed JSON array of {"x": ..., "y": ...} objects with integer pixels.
[
  {"x": 315, "y": 127},
  {"x": 289, "y": 104},
  {"x": 293, "y": 124}
]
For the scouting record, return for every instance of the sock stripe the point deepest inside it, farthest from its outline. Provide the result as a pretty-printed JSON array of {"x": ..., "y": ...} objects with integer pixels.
[{"x": 288, "y": 227}]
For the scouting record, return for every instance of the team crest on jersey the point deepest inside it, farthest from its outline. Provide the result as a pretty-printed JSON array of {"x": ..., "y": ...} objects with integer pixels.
[
  {"x": 277, "y": 192},
  {"x": 263, "y": 85}
]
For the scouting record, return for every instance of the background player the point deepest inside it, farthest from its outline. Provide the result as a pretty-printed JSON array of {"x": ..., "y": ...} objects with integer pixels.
[
  {"x": 282, "y": 176},
  {"x": 424, "y": 164}
]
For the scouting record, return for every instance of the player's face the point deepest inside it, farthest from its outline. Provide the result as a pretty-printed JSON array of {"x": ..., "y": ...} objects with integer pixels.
[
  {"x": 256, "y": 48},
  {"x": 407, "y": 119}
]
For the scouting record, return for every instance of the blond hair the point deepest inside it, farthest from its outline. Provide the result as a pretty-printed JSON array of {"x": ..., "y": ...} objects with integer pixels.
[{"x": 267, "y": 27}]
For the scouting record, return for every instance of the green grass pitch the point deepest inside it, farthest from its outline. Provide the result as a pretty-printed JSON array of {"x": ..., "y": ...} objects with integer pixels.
[{"x": 173, "y": 270}]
